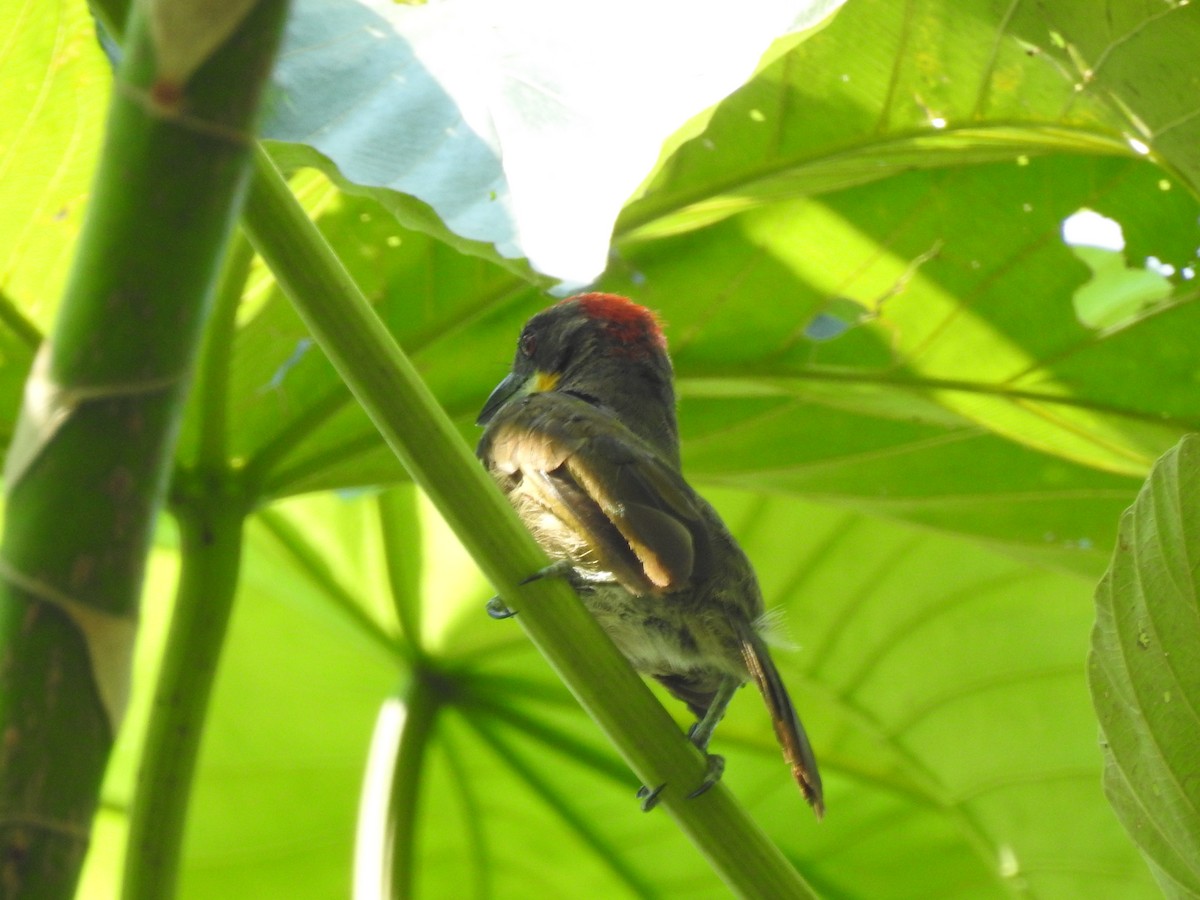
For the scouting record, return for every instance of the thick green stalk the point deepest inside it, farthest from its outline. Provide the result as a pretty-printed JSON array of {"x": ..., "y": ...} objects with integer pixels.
[
  {"x": 86, "y": 470},
  {"x": 410, "y": 420}
]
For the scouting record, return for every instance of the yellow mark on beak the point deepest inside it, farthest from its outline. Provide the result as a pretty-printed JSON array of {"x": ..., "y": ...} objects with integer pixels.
[{"x": 544, "y": 381}]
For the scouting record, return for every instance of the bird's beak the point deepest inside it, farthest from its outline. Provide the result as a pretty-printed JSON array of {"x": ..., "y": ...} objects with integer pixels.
[{"x": 512, "y": 385}]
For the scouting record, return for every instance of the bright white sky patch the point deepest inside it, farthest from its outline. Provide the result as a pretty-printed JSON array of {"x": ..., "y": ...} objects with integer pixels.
[{"x": 1087, "y": 228}]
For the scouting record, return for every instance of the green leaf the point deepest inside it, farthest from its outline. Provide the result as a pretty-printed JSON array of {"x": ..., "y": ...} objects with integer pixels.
[
  {"x": 1137, "y": 58},
  {"x": 964, "y": 345},
  {"x": 55, "y": 83},
  {"x": 971, "y": 349},
  {"x": 924, "y": 672},
  {"x": 886, "y": 88},
  {"x": 1144, "y": 671},
  {"x": 522, "y": 125},
  {"x": 962, "y": 353}
]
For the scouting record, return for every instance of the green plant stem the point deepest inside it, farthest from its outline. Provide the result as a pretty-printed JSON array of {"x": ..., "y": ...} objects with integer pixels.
[
  {"x": 210, "y": 527},
  {"x": 212, "y": 375},
  {"x": 86, "y": 471},
  {"x": 416, "y": 428},
  {"x": 421, "y": 705},
  {"x": 14, "y": 320},
  {"x": 399, "y": 521}
]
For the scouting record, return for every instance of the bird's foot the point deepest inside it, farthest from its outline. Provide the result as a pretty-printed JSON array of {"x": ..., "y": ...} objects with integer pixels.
[
  {"x": 496, "y": 607},
  {"x": 649, "y": 797},
  {"x": 497, "y": 610},
  {"x": 558, "y": 568},
  {"x": 716, "y": 767}
]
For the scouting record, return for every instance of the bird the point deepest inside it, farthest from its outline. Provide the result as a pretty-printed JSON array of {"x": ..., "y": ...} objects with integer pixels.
[{"x": 582, "y": 438}]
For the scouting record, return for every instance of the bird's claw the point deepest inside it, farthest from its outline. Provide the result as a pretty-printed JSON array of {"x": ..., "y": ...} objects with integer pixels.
[
  {"x": 716, "y": 768},
  {"x": 649, "y": 797},
  {"x": 497, "y": 610},
  {"x": 556, "y": 568}
]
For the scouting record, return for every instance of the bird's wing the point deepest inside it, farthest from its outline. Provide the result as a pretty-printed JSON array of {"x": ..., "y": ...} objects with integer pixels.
[{"x": 635, "y": 512}]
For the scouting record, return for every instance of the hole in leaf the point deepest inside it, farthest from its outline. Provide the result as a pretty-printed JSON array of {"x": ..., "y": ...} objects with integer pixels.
[
  {"x": 837, "y": 317},
  {"x": 1115, "y": 293}
]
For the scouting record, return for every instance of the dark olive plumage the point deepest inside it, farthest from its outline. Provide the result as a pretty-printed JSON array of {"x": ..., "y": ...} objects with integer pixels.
[{"x": 582, "y": 438}]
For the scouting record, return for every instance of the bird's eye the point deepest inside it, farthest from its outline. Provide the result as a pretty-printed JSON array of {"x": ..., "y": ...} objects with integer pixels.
[{"x": 528, "y": 344}]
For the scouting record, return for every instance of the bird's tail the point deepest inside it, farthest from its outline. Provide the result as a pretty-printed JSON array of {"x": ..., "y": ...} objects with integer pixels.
[{"x": 792, "y": 739}]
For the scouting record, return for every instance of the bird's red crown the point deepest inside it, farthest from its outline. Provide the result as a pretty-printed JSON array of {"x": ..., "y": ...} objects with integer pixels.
[{"x": 630, "y": 324}]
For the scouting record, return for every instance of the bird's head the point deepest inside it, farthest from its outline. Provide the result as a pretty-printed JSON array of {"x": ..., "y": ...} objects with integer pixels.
[{"x": 604, "y": 349}]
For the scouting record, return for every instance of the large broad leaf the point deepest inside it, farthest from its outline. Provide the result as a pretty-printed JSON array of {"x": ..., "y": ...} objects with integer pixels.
[
  {"x": 1145, "y": 671},
  {"x": 522, "y": 124},
  {"x": 942, "y": 685},
  {"x": 959, "y": 276},
  {"x": 944, "y": 399},
  {"x": 930, "y": 84},
  {"x": 916, "y": 346}
]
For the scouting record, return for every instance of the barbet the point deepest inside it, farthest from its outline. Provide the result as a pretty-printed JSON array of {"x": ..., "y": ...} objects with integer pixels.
[{"x": 582, "y": 438}]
